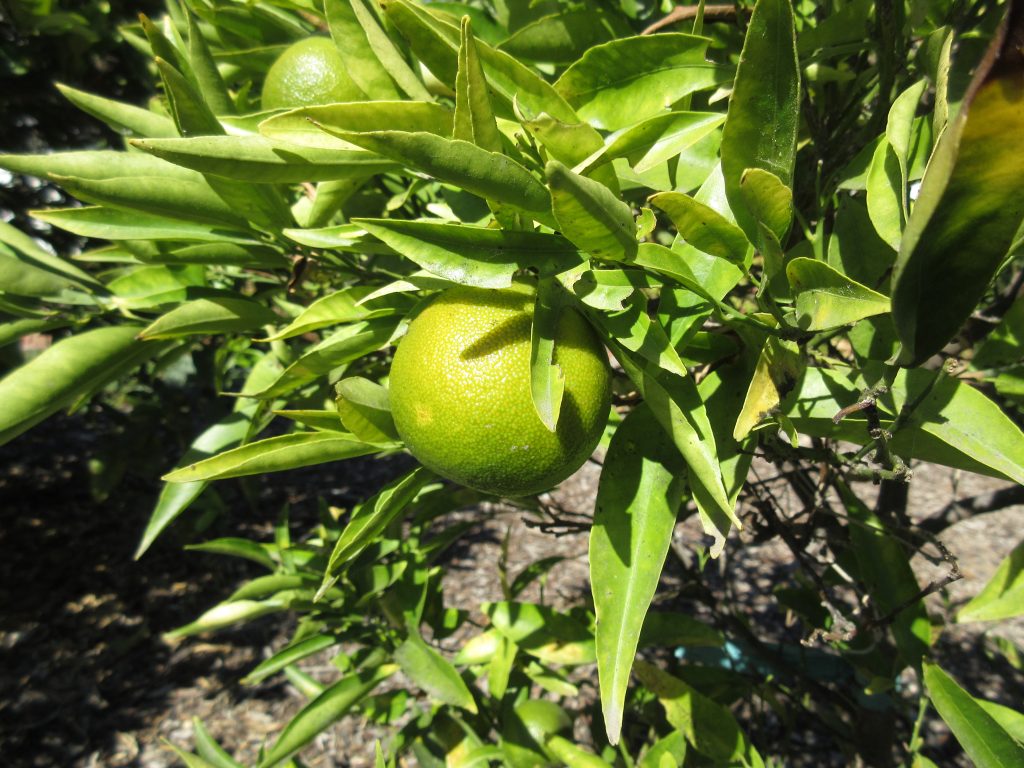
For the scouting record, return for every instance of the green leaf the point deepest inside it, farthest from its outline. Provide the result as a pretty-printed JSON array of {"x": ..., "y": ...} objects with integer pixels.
[
  {"x": 323, "y": 420},
  {"x": 228, "y": 614},
  {"x": 657, "y": 139},
  {"x": 327, "y": 708},
  {"x": 14, "y": 330},
  {"x": 236, "y": 547},
  {"x": 827, "y": 299},
  {"x": 621, "y": 82},
  {"x": 119, "y": 116},
  {"x": 205, "y": 71},
  {"x": 702, "y": 226},
  {"x": 553, "y": 637},
  {"x": 641, "y": 489},
  {"x": 474, "y": 119},
  {"x": 480, "y": 256},
  {"x": 97, "y": 165},
  {"x": 560, "y": 38},
  {"x": 761, "y": 126},
  {"x": 1003, "y": 596},
  {"x": 433, "y": 673},
  {"x": 23, "y": 278},
  {"x": 313, "y": 127},
  {"x": 547, "y": 380},
  {"x": 635, "y": 330},
  {"x": 190, "y": 760},
  {"x": 590, "y": 215},
  {"x": 229, "y": 313},
  {"x": 571, "y": 755},
  {"x": 349, "y": 343},
  {"x": 348, "y": 305},
  {"x": 571, "y": 144},
  {"x": 29, "y": 251},
  {"x": 436, "y": 42},
  {"x": 73, "y": 368},
  {"x": 290, "y": 654},
  {"x": 969, "y": 207},
  {"x": 209, "y": 749},
  {"x": 667, "y": 752},
  {"x": 899, "y": 132},
  {"x": 984, "y": 741},
  {"x": 387, "y": 53},
  {"x": 885, "y": 204},
  {"x": 175, "y": 498},
  {"x": 884, "y": 566},
  {"x": 365, "y": 410},
  {"x": 768, "y": 199},
  {"x": 263, "y": 160},
  {"x": 157, "y": 196},
  {"x": 112, "y": 224},
  {"x": 371, "y": 517},
  {"x": 274, "y": 454},
  {"x": 191, "y": 113},
  {"x": 779, "y": 367},
  {"x": 955, "y": 424},
  {"x": 352, "y": 39},
  {"x": 490, "y": 175},
  {"x": 855, "y": 249},
  {"x": 679, "y": 410},
  {"x": 708, "y": 726}
]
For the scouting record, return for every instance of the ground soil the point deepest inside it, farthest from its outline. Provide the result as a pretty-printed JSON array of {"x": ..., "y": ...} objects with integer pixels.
[{"x": 87, "y": 680}]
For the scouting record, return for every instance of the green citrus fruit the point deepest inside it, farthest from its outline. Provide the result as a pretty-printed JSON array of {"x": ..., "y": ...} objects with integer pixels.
[
  {"x": 309, "y": 72},
  {"x": 460, "y": 392}
]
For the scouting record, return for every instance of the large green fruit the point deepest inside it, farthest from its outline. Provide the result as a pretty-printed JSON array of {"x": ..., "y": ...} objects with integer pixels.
[
  {"x": 460, "y": 392},
  {"x": 309, "y": 72}
]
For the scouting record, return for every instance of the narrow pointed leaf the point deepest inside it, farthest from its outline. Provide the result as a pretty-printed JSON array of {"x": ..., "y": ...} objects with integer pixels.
[
  {"x": 490, "y": 175},
  {"x": 761, "y": 126},
  {"x": 433, "y": 673},
  {"x": 175, "y": 498},
  {"x": 365, "y": 410},
  {"x": 112, "y": 224},
  {"x": 969, "y": 208},
  {"x": 547, "y": 381},
  {"x": 275, "y": 454},
  {"x": 119, "y": 116},
  {"x": 290, "y": 654},
  {"x": 72, "y": 368},
  {"x": 263, "y": 160},
  {"x": 1003, "y": 596},
  {"x": 779, "y": 367},
  {"x": 640, "y": 492},
  {"x": 474, "y": 119},
  {"x": 213, "y": 315},
  {"x": 352, "y": 39},
  {"x": 389, "y": 55},
  {"x": 373, "y": 515},
  {"x": 436, "y": 42},
  {"x": 327, "y": 708},
  {"x": 480, "y": 256},
  {"x": 618, "y": 83},
  {"x": 983, "y": 739},
  {"x": 589, "y": 215},
  {"x": 702, "y": 226},
  {"x": 349, "y": 343},
  {"x": 709, "y": 727},
  {"x": 348, "y": 305},
  {"x": 660, "y": 138},
  {"x": 827, "y": 299}
]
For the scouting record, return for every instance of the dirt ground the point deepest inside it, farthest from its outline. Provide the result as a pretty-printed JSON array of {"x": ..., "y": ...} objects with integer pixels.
[{"x": 86, "y": 680}]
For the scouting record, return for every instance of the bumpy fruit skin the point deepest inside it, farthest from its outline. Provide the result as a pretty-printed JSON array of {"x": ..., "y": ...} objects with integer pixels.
[
  {"x": 460, "y": 392},
  {"x": 309, "y": 72}
]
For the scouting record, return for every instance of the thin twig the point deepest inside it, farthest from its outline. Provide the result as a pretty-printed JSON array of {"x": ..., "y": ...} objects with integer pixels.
[{"x": 685, "y": 12}]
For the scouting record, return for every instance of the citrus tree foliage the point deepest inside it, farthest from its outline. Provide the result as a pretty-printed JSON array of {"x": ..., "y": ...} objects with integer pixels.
[{"x": 796, "y": 228}]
